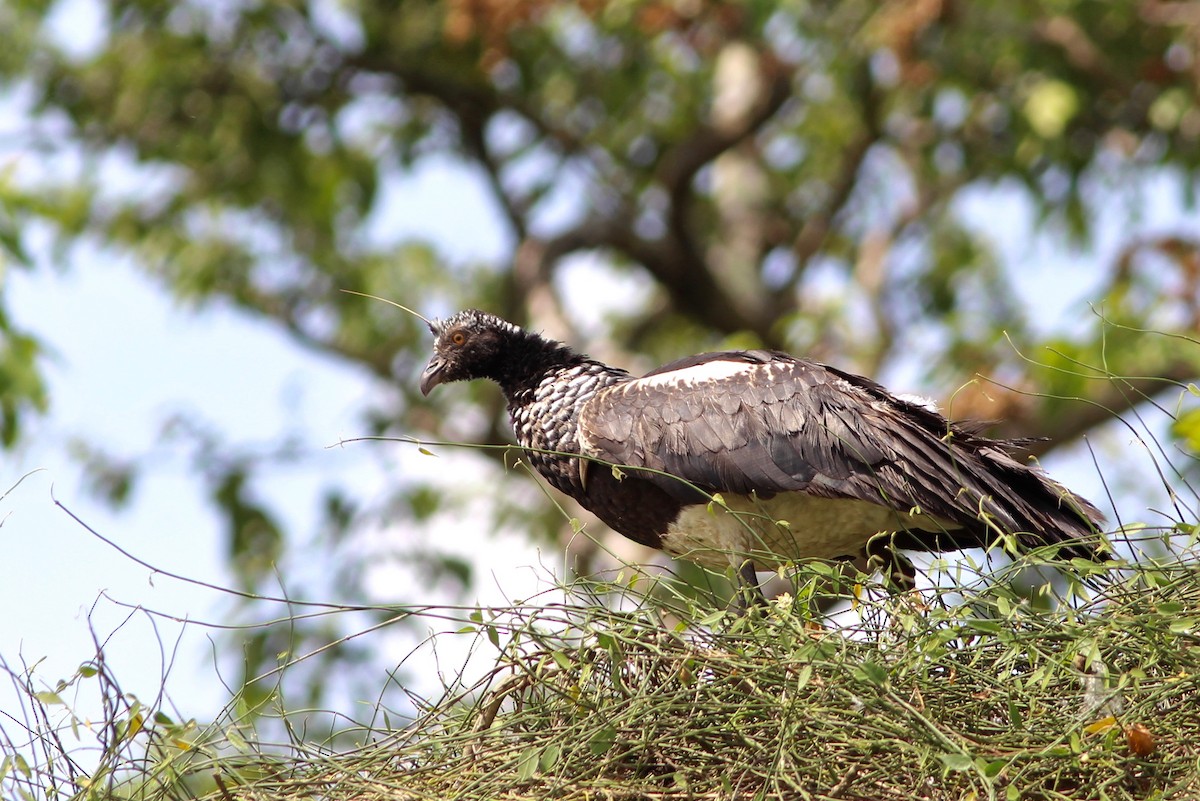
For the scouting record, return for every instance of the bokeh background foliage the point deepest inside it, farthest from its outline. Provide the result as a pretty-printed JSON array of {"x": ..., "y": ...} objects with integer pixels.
[{"x": 836, "y": 179}]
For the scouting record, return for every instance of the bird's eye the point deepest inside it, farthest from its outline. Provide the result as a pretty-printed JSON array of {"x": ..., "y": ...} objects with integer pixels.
[{"x": 458, "y": 338}]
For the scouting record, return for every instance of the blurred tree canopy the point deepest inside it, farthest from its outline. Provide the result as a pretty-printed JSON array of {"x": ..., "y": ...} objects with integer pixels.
[{"x": 790, "y": 174}]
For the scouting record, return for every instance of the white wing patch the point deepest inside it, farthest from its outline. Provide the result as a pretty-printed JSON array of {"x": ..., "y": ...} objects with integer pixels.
[
  {"x": 715, "y": 370},
  {"x": 919, "y": 400}
]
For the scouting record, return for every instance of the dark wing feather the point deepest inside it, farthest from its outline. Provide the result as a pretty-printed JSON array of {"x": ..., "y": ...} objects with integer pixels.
[
  {"x": 766, "y": 422},
  {"x": 757, "y": 421}
]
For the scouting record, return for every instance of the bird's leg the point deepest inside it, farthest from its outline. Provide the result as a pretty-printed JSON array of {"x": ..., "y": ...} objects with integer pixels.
[{"x": 747, "y": 594}]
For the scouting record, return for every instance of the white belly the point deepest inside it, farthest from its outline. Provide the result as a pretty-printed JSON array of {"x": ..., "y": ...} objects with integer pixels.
[{"x": 788, "y": 527}]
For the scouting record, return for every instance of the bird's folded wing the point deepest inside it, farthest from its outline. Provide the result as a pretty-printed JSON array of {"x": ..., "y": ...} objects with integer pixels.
[
  {"x": 748, "y": 421},
  {"x": 765, "y": 422}
]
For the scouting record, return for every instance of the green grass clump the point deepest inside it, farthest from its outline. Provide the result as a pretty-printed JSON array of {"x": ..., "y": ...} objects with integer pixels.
[{"x": 947, "y": 695}]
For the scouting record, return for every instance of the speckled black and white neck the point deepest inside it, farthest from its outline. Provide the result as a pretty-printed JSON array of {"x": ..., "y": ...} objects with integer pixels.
[{"x": 545, "y": 417}]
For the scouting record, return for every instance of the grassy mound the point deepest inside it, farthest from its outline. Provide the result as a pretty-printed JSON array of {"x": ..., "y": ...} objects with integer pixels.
[{"x": 953, "y": 695}]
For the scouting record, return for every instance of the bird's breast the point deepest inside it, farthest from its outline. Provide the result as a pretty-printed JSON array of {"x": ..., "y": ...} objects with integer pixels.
[{"x": 545, "y": 421}]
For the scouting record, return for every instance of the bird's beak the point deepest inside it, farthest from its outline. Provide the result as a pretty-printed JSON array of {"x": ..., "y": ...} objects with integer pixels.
[{"x": 432, "y": 375}]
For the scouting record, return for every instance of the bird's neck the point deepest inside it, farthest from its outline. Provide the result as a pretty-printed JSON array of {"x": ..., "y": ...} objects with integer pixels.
[
  {"x": 532, "y": 362},
  {"x": 546, "y": 387},
  {"x": 528, "y": 360}
]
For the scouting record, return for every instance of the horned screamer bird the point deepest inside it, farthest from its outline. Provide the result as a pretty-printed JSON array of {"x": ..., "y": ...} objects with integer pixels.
[{"x": 804, "y": 460}]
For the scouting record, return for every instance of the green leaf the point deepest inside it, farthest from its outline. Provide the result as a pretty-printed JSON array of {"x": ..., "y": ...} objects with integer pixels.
[
  {"x": 872, "y": 673},
  {"x": 527, "y": 766},
  {"x": 235, "y": 738},
  {"x": 984, "y": 625},
  {"x": 1049, "y": 106},
  {"x": 957, "y": 763},
  {"x": 1015, "y": 718},
  {"x": 49, "y": 698},
  {"x": 803, "y": 677},
  {"x": 549, "y": 758},
  {"x": 10, "y": 240},
  {"x": 603, "y": 740},
  {"x": 1187, "y": 429},
  {"x": 133, "y": 726}
]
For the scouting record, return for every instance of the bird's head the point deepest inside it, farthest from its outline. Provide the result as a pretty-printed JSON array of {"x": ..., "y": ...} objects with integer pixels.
[{"x": 471, "y": 344}]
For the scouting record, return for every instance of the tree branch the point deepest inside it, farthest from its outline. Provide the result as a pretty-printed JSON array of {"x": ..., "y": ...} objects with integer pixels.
[
  {"x": 1081, "y": 52},
  {"x": 815, "y": 231},
  {"x": 473, "y": 126},
  {"x": 1027, "y": 414},
  {"x": 452, "y": 92},
  {"x": 676, "y": 261}
]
